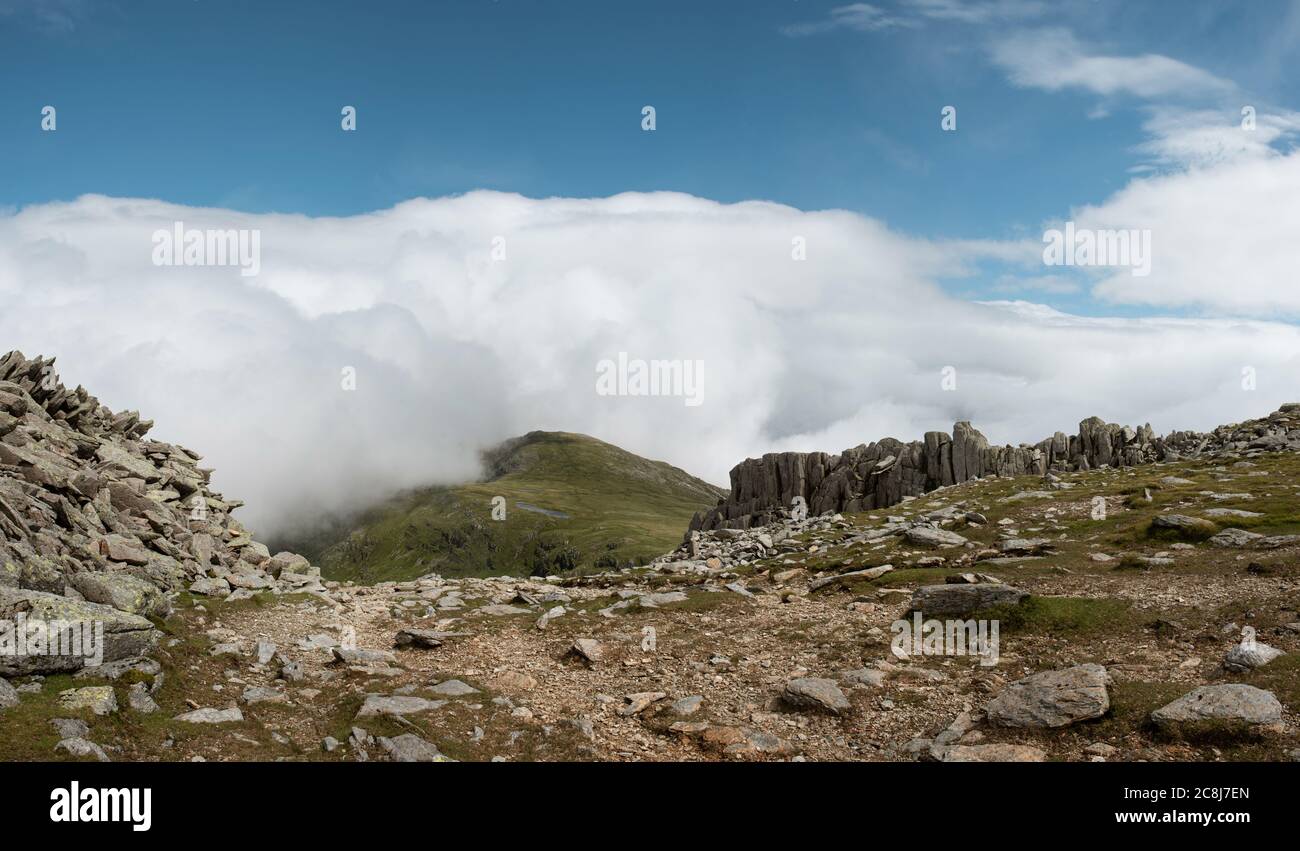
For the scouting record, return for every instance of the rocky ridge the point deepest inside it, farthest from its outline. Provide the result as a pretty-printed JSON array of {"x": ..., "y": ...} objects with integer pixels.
[
  {"x": 883, "y": 473},
  {"x": 98, "y": 523}
]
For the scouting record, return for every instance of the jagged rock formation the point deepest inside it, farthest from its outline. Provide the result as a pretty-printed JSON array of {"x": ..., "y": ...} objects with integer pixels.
[
  {"x": 98, "y": 523},
  {"x": 881, "y": 474}
]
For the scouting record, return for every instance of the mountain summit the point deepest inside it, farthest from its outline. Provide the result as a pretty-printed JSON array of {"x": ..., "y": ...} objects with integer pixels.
[{"x": 550, "y": 502}]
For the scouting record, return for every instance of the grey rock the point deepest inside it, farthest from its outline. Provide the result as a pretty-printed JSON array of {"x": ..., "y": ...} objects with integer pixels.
[
  {"x": 427, "y": 638},
  {"x": 265, "y": 652},
  {"x": 1013, "y": 546},
  {"x": 1052, "y": 698},
  {"x": 101, "y": 700},
  {"x": 139, "y": 699},
  {"x": 926, "y": 536},
  {"x": 123, "y": 592},
  {"x": 664, "y": 598},
  {"x": 361, "y": 656},
  {"x": 70, "y": 728},
  {"x": 212, "y": 716},
  {"x": 1248, "y": 656},
  {"x": 687, "y": 705},
  {"x": 261, "y": 694},
  {"x": 816, "y": 693},
  {"x": 500, "y": 610},
  {"x": 409, "y": 747},
  {"x": 1234, "y": 704},
  {"x": 589, "y": 649},
  {"x": 378, "y": 704},
  {"x": 935, "y": 600},
  {"x": 866, "y": 573},
  {"x": 1183, "y": 524},
  {"x": 634, "y": 704},
  {"x": 125, "y": 635},
  {"x": 81, "y": 748},
  {"x": 1236, "y": 538},
  {"x": 453, "y": 688},
  {"x": 864, "y": 677}
]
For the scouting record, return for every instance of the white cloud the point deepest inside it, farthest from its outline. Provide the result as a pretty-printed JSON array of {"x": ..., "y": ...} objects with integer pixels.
[
  {"x": 1223, "y": 239},
  {"x": 1199, "y": 138},
  {"x": 454, "y": 351},
  {"x": 1053, "y": 59},
  {"x": 977, "y": 11},
  {"x": 865, "y": 17},
  {"x": 862, "y": 17}
]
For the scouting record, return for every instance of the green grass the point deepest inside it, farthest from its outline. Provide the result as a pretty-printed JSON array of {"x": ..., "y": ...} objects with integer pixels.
[
  {"x": 621, "y": 510},
  {"x": 1064, "y": 616}
]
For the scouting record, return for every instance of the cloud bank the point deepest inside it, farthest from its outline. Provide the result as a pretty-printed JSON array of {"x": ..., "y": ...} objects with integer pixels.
[{"x": 470, "y": 319}]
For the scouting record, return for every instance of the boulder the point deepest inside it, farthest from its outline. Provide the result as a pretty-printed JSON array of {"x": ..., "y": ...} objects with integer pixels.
[
  {"x": 409, "y": 747},
  {"x": 1183, "y": 526},
  {"x": 123, "y": 592},
  {"x": 378, "y": 704},
  {"x": 816, "y": 693},
  {"x": 1052, "y": 698},
  {"x": 929, "y": 536},
  {"x": 589, "y": 649},
  {"x": 82, "y": 749},
  {"x": 1227, "y": 708},
  {"x": 101, "y": 700},
  {"x": 453, "y": 688},
  {"x": 124, "y": 636},
  {"x": 938, "y": 600},
  {"x": 212, "y": 716}
]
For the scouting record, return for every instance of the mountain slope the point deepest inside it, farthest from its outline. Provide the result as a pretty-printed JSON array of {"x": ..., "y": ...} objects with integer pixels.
[{"x": 570, "y": 501}]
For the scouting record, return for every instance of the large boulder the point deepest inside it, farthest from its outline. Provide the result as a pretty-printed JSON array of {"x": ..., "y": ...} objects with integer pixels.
[
  {"x": 124, "y": 592},
  {"x": 1052, "y": 698},
  {"x": 1230, "y": 708},
  {"x": 124, "y": 635}
]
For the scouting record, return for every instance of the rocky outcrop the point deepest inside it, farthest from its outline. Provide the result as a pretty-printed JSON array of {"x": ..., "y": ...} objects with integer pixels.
[
  {"x": 99, "y": 524},
  {"x": 881, "y": 474}
]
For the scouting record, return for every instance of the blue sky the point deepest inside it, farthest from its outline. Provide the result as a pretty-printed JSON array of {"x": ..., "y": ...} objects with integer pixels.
[
  {"x": 1115, "y": 116},
  {"x": 237, "y": 103}
]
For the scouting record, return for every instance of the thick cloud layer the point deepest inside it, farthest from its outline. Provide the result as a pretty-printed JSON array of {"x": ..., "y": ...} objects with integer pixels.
[{"x": 470, "y": 319}]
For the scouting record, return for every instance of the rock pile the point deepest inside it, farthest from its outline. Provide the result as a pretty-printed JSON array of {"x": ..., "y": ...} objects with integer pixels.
[
  {"x": 881, "y": 474},
  {"x": 99, "y": 523}
]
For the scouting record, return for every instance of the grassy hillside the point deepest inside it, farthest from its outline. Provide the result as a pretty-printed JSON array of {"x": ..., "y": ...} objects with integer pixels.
[{"x": 571, "y": 502}]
